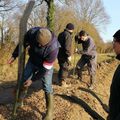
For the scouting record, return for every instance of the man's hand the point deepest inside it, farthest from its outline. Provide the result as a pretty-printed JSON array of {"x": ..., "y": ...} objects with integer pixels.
[
  {"x": 11, "y": 60},
  {"x": 76, "y": 50},
  {"x": 27, "y": 83},
  {"x": 69, "y": 58},
  {"x": 80, "y": 52}
]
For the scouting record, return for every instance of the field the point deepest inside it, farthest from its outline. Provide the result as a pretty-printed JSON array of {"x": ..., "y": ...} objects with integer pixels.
[{"x": 75, "y": 102}]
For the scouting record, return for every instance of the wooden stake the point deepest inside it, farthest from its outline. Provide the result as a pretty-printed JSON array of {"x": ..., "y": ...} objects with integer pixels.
[{"x": 21, "y": 58}]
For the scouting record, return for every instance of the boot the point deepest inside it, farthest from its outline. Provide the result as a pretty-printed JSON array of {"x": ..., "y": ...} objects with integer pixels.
[
  {"x": 92, "y": 81},
  {"x": 79, "y": 78},
  {"x": 79, "y": 73},
  {"x": 49, "y": 105},
  {"x": 59, "y": 82}
]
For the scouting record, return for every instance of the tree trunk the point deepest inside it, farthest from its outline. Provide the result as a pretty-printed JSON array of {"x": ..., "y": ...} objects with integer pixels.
[
  {"x": 50, "y": 14},
  {"x": 1, "y": 43},
  {"x": 2, "y": 34}
]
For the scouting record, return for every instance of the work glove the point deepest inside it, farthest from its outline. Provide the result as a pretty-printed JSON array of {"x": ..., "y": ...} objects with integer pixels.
[
  {"x": 80, "y": 52},
  {"x": 69, "y": 58}
]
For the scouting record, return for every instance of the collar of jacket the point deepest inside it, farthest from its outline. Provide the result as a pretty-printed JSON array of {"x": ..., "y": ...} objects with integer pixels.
[
  {"x": 68, "y": 31},
  {"x": 118, "y": 57}
]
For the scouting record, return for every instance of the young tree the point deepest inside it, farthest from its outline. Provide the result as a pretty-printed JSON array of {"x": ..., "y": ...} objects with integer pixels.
[
  {"x": 21, "y": 59},
  {"x": 5, "y": 7}
]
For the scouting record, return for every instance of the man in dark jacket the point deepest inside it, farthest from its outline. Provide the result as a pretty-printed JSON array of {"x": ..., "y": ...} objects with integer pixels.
[
  {"x": 89, "y": 56},
  {"x": 64, "y": 55},
  {"x": 114, "y": 100},
  {"x": 43, "y": 50}
]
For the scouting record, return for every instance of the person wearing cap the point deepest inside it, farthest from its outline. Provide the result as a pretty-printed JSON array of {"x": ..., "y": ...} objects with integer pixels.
[
  {"x": 43, "y": 50},
  {"x": 64, "y": 55},
  {"x": 89, "y": 56},
  {"x": 114, "y": 100}
]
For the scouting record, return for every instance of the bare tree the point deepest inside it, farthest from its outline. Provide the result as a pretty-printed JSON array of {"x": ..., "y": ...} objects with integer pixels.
[
  {"x": 1, "y": 30},
  {"x": 49, "y": 9},
  {"x": 6, "y": 5},
  {"x": 67, "y": 2},
  {"x": 38, "y": 15},
  {"x": 91, "y": 11}
]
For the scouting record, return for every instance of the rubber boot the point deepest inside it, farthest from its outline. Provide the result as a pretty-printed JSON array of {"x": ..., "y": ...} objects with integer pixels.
[
  {"x": 49, "y": 105},
  {"x": 92, "y": 81}
]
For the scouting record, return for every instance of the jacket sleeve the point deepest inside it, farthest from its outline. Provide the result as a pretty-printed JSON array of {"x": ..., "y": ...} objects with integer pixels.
[
  {"x": 15, "y": 52},
  {"x": 68, "y": 45},
  {"x": 26, "y": 43},
  {"x": 117, "y": 117},
  {"x": 77, "y": 39},
  {"x": 91, "y": 47},
  {"x": 47, "y": 65}
]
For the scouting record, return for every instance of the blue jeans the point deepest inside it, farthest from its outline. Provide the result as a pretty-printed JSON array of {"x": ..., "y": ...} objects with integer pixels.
[{"x": 29, "y": 72}]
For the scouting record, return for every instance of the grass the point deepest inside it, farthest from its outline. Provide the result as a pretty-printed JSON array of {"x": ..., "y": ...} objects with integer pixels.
[
  {"x": 100, "y": 58},
  {"x": 9, "y": 72},
  {"x": 104, "y": 57}
]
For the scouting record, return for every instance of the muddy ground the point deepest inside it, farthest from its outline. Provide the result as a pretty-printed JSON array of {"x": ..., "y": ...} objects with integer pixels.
[{"x": 74, "y": 102}]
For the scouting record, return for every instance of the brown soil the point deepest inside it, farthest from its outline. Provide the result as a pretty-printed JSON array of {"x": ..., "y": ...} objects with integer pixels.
[{"x": 75, "y": 102}]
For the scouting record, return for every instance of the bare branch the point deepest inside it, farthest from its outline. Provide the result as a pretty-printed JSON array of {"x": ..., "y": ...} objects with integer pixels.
[
  {"x": 92, "y": 11},
  {"x": 7, "y": 5},
  {"x": 39, "y": 4},
  {"x": 67, "y": 2},
  {"x": 8, "y": 9}
]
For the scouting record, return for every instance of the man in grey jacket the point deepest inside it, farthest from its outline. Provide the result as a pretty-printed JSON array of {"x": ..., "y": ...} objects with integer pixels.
[{"x": 89, "y": 56}]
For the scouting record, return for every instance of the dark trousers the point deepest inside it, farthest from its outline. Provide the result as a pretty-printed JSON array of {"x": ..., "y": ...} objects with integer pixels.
[
  {"x": 91, "y": 63},
  {"x": 116, "y": 118},
  {"x": 63, "y": 69}
]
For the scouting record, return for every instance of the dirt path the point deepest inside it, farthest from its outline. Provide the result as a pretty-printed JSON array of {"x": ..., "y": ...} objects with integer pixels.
[{"x": 75, "y": 102}]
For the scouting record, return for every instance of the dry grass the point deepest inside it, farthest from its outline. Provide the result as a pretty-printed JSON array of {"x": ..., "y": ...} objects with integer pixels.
[
  {"x": 9, "y": 72},
  {"x": 65, "y": 109}
]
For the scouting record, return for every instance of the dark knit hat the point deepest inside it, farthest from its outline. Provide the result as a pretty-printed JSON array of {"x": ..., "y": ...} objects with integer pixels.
[
  {"x": 117, "y": 35},
  {"x": 70, "y": 26},
  {"x": 44, "y": 36}
]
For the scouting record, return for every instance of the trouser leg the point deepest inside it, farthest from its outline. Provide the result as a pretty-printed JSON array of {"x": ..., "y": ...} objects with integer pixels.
[
  {"x": 92, "y": 69},
  {"x": 47, "y": 87},
  {"x": 63, "y": 71},
  {"x": 79, "y": 67}
]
